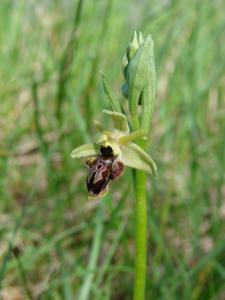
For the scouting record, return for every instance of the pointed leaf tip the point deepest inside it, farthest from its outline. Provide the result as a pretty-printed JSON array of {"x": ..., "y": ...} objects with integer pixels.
[{"x": 112, "y": 98}]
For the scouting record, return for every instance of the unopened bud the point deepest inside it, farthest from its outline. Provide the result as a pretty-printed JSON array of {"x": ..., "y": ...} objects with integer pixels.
[
  {"x": 133, "y": 46},
  {"x": 140, "y": 38}
]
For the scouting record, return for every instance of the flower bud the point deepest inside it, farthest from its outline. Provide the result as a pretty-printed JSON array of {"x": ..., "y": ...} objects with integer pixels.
[
  {"x": 140, "y": 38},
  {"x": 125, "y": 64},
  {"x": 139, "y": 74},
  {"x": 133, "y": 46},
  {"x": 125, "y": 90}
]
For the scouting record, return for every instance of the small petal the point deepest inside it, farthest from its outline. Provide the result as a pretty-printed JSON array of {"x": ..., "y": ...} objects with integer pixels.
[
  {"x": 85, "y": 151},
  {"x": 135, "y": 157},
  {"x": 131, "y": 136},
  {"x": 119, "y": 120}
]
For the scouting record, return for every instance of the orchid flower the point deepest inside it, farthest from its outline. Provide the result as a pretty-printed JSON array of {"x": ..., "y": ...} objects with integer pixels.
[{"x": 114, "y": 150}]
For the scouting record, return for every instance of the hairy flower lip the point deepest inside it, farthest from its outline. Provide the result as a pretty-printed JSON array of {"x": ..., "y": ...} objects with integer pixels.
[{"x": 102, "y": 169}]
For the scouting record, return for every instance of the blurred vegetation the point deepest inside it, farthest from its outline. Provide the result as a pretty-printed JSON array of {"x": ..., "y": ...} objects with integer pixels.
[{"x": 54, "y": 243}]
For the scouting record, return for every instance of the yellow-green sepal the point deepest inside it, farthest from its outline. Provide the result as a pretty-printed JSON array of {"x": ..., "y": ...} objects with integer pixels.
[
  {"x": 119, "y": 120},
  {"x": 135, "y": 157},
  {"x": 85, "y": 151}
]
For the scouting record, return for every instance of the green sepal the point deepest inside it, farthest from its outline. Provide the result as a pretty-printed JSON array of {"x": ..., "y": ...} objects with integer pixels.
[
  {"x": 119, "y": 120},
  {"x": 140, "y": 38},
  {"x": 135, "y": 157},
  {"x": 85, "y": 151}
]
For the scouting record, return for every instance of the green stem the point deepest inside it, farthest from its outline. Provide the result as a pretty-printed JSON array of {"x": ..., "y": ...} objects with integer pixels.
[
  {"x": 140, "y": 235},
  {"x": 134, "y": 121},
  {"x": 140, "y": 77}
]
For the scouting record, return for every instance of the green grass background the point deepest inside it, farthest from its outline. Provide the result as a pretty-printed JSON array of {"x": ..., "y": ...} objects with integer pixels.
[{"x": 54, "y": 242}]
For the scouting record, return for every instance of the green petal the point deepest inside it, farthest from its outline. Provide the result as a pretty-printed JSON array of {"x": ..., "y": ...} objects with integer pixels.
[
  {"x": 126, "y": 138},
  {"x": 135, "y": 157},
  {"x": 119, "y": 120},
  {"x": 85, "y": 151}
]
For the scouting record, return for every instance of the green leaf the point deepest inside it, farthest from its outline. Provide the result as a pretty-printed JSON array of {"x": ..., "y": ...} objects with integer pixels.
[
  {"x": 114, "y": 102},
  {"x": 85, "y": 151},
  {"x": 119, "y": 120},
  {"x": 135, "y": 157}
]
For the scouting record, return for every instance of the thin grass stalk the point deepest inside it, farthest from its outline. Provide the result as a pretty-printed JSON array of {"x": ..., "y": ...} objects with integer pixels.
[
  {"x": 37, "y": 117},
  {"x": 14, "y": 232},
  {"x": 89, "y": 87},
  {"x": 88, "y": 280},
  {"x": 24, "y": 278},
  {"x": 67, "y": 62}
]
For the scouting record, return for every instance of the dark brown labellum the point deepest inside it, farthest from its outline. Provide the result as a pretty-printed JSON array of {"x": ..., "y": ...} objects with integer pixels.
[
  {"x": 102, "y": 169},
  {"x": 117, "y": 170}
]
